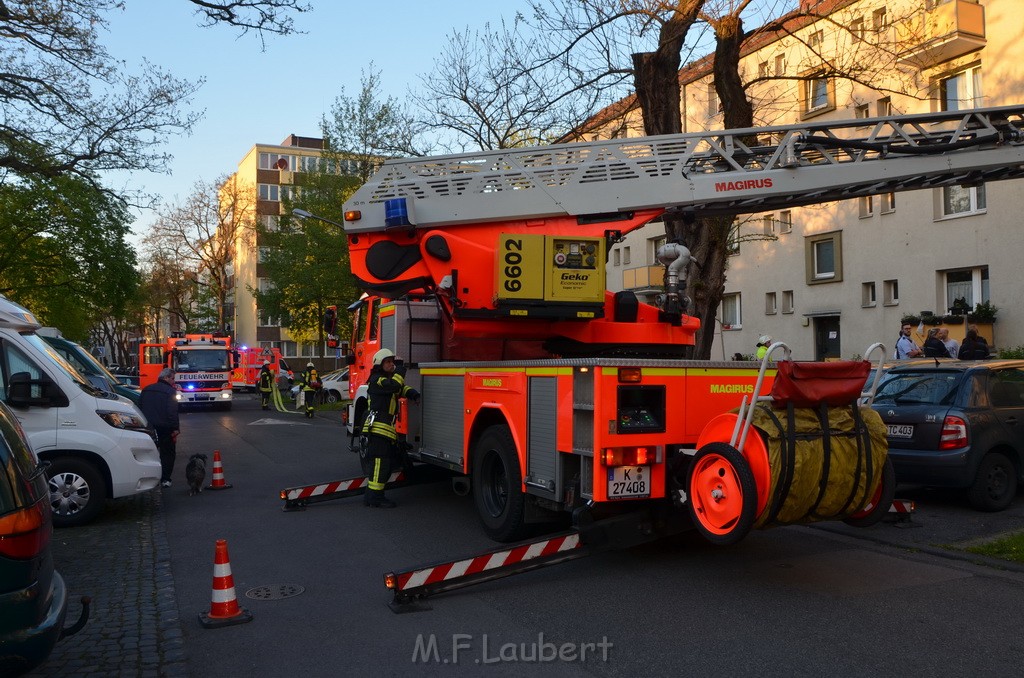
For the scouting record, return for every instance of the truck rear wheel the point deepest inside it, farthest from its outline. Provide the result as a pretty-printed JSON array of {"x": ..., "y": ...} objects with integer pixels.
[
  {"x": 722, "y": 494},
  {"x": 497, "y": 485},
  {"x": 77, "y": 491}
]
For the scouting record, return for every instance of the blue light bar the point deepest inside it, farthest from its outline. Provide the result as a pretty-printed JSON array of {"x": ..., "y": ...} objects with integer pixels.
[{"x": 396, "y": 213}]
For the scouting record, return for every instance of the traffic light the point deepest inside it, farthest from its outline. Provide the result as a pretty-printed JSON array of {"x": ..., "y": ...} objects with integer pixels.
[{"x": 330, "y": 325}]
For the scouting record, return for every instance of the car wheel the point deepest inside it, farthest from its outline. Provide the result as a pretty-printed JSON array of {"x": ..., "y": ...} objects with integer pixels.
[
  {"x": 77, "y": 491},
  {"x": 722, "y": 494},
  {"x": 331, "y": 396},
  {"x": 879, "y": 505},
  {"x": 995, "y": 486},
  {"x": 497, "y": 485}
]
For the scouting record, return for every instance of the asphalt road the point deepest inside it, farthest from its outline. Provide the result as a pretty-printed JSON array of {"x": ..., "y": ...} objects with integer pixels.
[{"x": 892, "y": 600}]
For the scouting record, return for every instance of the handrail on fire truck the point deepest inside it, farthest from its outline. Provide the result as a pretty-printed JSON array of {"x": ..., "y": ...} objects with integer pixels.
[{"x": 714, "y": 172}]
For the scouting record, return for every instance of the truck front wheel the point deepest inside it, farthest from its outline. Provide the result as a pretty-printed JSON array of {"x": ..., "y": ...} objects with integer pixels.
[
  {"x": 497, "y": 485},
  {"x": 77, "y": 491}
]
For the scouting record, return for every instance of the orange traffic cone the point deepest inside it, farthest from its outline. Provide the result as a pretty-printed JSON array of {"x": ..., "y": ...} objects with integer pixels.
[
  {"x": 224, "y": 610},
  {"x": 217, "y": 483}
]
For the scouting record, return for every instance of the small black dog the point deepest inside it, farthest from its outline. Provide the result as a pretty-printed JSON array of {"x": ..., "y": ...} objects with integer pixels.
[{"x": 195, "y": 473}]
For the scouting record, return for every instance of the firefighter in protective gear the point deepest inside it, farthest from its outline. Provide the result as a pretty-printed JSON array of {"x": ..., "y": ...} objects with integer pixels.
[
  {"x": 265, "y": 383},
  {"x": 385, "y": 385},
  {"x": 310, "y": 383}
]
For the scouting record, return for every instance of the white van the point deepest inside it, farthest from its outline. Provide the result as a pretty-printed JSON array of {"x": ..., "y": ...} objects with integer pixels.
[{"x": 97, "y": 444}]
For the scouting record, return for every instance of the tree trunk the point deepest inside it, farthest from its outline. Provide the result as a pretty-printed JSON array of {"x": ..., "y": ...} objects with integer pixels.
[{"x": 656, "y": 74}]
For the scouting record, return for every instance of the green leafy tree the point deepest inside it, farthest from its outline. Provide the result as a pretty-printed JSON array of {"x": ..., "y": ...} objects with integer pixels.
[
  {"x": 307, "y": 261},
  {"x": 63, "y": 251}
]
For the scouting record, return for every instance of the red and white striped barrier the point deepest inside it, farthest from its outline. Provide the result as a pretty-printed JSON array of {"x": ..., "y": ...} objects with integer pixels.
[
  {"x": 331, "y": 490},
  {"x": 491, "y": 565}
]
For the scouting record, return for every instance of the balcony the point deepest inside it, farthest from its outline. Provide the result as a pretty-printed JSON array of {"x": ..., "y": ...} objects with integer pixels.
[
  {"x": 644, "y": 279},
  {"x": 945, "y": 30}
]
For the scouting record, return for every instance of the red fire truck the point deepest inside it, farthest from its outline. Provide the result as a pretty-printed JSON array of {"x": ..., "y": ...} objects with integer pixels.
[
  {"x": 202, "y": 365},
  {"x": 548, "y": 394},
  {"x": 249, "y": 362}
]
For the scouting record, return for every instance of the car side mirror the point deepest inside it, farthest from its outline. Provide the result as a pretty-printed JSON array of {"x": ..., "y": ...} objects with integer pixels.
[{"x": 350, "y": 358}]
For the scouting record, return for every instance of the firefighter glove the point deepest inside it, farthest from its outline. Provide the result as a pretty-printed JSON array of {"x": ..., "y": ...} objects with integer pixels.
[{"x": 414, "y": 395}]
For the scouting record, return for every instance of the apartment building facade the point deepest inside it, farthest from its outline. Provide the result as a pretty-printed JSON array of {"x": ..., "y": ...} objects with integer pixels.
[
  {"x": 269, "y": 172},
  {"x": 831, "y": 279}
]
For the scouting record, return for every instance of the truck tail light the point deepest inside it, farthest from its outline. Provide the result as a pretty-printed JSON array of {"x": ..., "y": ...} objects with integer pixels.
[
  {"x": 954, "y": 433},
  {"x": 629, "y": 456},
  {"x": 629, "y": 375},
  {"x": 24, "y": 533}
]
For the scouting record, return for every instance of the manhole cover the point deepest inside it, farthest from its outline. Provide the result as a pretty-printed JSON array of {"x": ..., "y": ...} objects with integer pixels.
[{"x": 274, "y": 591}]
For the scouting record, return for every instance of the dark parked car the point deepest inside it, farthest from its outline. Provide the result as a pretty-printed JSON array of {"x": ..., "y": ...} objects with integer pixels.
[
  {"x": 957, "y": 424},
  {"x": 33, "y": 597}
]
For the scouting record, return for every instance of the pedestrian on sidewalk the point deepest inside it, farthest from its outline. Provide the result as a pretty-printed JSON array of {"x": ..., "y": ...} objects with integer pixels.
[{"x": 159, "y": 404}]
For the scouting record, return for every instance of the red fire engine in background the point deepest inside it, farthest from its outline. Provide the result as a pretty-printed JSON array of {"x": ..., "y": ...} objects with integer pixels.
[
  {"x": 250, "y": 361},
  {"x": 202, "y": 365}
]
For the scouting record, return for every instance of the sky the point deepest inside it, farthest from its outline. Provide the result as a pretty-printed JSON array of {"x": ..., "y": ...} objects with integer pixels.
[{"x": 253, "y": 96}]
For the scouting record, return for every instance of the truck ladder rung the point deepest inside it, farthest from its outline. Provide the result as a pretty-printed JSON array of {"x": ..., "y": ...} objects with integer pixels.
[
  {"x": 411, "y": 585},
  {"x": 296, "y": 498}
]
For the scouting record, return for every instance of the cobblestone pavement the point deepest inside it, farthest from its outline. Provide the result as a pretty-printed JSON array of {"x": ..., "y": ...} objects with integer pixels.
[{"x": 123, "y": 562}]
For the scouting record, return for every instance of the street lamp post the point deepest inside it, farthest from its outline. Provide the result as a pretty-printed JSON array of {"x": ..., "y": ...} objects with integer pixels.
[{"x": 303, "y": 214}]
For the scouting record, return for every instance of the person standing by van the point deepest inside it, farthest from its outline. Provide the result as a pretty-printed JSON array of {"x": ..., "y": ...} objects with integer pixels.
[{"x": 159, "y": 404}]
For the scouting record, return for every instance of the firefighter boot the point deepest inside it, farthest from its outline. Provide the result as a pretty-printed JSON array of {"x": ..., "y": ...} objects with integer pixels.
[{"x": 376, "y": 499}]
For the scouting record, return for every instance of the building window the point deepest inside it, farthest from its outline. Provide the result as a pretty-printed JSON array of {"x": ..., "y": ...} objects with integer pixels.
[
  {"x": 888, "y": 201},
  {"x": 962, "y": 200},
  {"x": 731, "y": 319},
  {"x": 780, "y": 64},
  {"x": 961, "y": 90},
  {"x": 770, "y": 304},
  {"x": 857, "y": 29},
  {"x": 769, "y": 224},
  {"x": 278, "y": 161},
  {"x": 866, "y": 206},
  {"x": 867, "y": 294},
  {"x": 616, "y": 257},
  {"x": 815, "y": 40},
  {"x": 732, "y": 248},
  {"x": 879, "y": 20},
  {"x": 787, "y": 301},
  {"x": 892, "y": 292},
  {"x": 654, "y": 244},
  {"x": 786, "y": 221},
  {"x": 270, "y": 192},
  {"x": 289, "y": 349},
  {"x": 714, "y": 103},
  {"x": 264, "y": 252},
  {"x": 625, "y": 255},
  {"x": 763, "y": 70},
  {"x": 861, "y": 111},
  {"x": 817, "y": 93},
  {"x": 883, "y": 107},
  {"x": 969, "y": 284},
  {"x": 824, "y": 257}
]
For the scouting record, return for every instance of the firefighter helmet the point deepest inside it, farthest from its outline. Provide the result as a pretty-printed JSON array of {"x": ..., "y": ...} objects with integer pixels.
[
  {"x": 765, "y": 339},
  {"x": 266, "y": 363},
  {"x": 380, "y": 356},
  {"x": 309, "y": 364}
]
